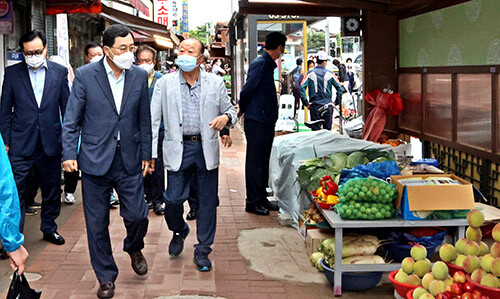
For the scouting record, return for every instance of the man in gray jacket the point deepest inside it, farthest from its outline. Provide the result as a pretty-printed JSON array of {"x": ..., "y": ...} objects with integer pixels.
[{"x": 194, "y": 105}]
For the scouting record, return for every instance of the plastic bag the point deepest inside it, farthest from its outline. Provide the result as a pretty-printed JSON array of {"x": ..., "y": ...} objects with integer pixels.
[
  {"x": 381, "y": 170},
  {"x": 409, "y": 239},
  {"x": 385, "y": 103},
  {"x": 20, "y": 289}
]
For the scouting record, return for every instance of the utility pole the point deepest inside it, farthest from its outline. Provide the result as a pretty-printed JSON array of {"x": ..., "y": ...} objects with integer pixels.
[{"x": 327, "y": 36}]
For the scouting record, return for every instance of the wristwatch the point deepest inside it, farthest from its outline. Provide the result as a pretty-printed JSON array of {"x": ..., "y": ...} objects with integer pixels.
[{"x": 229, "y": 116}]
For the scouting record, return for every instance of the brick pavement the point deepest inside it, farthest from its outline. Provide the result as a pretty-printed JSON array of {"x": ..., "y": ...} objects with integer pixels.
[{"x": 67, "y": 272}]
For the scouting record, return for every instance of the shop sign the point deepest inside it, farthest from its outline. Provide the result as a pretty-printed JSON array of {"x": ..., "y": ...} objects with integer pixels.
[
  {"x": 6, "y": 16},
  {"x": 283, "y": 17},
  {"x": 185, "y": 19},
  {"x": 14, "y": 57},
  {"x": 161, "y": 12},
  {"x": 62, "y": 37}
]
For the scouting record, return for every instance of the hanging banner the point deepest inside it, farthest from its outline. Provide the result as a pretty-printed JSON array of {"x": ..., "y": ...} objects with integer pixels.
[
  {"x": 185, "y": 19},
  {"x": 161, "y": 12},
  {"x": 6, "y": 16},
  {"x": 175, "y": 15},
  {"x": 62, "y": 37}
]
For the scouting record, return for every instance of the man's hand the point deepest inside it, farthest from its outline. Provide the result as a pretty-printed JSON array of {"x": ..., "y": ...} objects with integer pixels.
[
  {"x": 226, "y": 140},
  {"x": 151, "y": 166},
  {"x": 7, "y": 148},
  {"x": 238, "y": 111},
  {"x": 18, "y": 259},
  {"x": 145, "y": 167},
  {"x": 219, "y": 122},
  {"x": 309, "y": 106},
  {"x": 70, "y": 165}
]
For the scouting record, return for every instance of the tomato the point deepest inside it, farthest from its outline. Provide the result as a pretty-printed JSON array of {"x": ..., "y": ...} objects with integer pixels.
[
  {"x": 476, "y": 294},
  {"x": 456, "y": 288},
  {"x": 466, "y": 295}
]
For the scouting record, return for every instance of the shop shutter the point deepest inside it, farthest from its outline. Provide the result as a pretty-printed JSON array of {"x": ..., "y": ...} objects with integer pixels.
[
  {"x": 38, "y": 15},
  {"x": 50, "y": 22}
]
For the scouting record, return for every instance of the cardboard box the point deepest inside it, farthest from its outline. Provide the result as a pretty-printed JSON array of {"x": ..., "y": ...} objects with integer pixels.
[
  {"x": 428, "y": 198},
  {"x": 314, "y": 238}
]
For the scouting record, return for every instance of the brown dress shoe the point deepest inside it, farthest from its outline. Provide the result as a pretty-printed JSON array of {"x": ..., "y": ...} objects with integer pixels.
[
  {"x": 106, "y": 290},
  {"x": 139, "y": 263}
]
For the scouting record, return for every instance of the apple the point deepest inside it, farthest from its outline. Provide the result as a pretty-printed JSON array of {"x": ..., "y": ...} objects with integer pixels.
[
  {"x": 459, "y": 277},
  {"x": 456, "y": 288},
  {"x": 468, "y": 287}
]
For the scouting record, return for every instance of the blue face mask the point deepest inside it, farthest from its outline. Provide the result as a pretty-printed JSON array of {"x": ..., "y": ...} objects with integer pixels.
[{"x": 187, "y": 63}]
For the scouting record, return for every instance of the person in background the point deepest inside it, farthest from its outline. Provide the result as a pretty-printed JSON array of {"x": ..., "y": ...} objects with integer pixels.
[
  {"x": 297, "y": 76},
  {"x": 319, "y": 84},
  {"x": 194, "y": 105},
  {"x": 310, "y": 64},
  {"x": 259, "y": 103},
  {"x": 154, "y": 183},
  {"x": 343, "y": 79},
  {"x": 109, "y": 109},
  {"x": 217, "y": 69},
  {"x": 10, "y": 215},
  {"x": 350, "y": 74},
  {"x": 33, "y": 102},
  {"x": 92, "y": 52}
]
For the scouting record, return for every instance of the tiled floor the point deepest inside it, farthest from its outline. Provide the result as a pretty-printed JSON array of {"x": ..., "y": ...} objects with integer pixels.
[{"x": 67, "y": 272}]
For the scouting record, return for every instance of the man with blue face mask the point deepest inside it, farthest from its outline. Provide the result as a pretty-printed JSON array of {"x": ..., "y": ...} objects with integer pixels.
[
  {"x": 109, "y": 108},
  {"x": 195, "y": 106}
]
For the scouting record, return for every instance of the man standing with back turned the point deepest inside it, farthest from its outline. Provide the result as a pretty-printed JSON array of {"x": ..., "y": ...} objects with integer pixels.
[
  {"x": 259, "y": 103},
  {"x": 109, "y": 105}
]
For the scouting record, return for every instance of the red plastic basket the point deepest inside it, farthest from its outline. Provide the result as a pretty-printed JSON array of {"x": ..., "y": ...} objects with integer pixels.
[
  {"x": 453, "y": 268},
  {"x": 490, "y": 292},
  {"x": 409, "y": 295},
  {"x": 401, "y": 288},
  {"x": 325, "y": 206}
]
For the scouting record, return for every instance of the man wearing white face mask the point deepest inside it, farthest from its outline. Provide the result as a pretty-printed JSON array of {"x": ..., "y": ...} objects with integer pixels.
[
  {"x": 92, "y": 53},
  {"x": 109, "y": 108},
  {"x": 34, "y": 97},
  {"x": 154, "y": 183},
  {"x": 194, "y": 106}
]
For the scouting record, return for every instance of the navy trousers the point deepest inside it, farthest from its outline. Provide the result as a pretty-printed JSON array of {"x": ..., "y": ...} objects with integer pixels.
[
  {"x": 259, "y": 144},
  {"x": 316, "y": 115},
  {"x": 133, "y": 209},
  {"x": 49, "y": 173},
  {"x": 178, "y": 186},
  {"x": 154, "y": 184}
]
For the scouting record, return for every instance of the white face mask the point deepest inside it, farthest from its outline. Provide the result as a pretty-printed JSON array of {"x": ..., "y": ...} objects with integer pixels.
[
  {"x": 123, "y": 61},
  {"x": 35, "y": 61},
  {"x": 147, "y": 67},
  {"x": 96, "y": 58}
]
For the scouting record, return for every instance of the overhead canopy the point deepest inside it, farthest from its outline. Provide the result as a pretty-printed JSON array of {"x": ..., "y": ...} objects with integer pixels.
[
  {"x": 145, "y": 30},
  {"x": 401, "y": 8},
  {"x": 73, "y": 6}
]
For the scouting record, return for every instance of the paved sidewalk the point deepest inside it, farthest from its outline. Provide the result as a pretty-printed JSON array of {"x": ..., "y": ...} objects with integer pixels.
[{"x": 67, "y": 272}]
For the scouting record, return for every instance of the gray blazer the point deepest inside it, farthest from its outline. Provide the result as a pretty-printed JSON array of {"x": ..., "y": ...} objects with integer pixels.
[{"x": 167, "y": 102}]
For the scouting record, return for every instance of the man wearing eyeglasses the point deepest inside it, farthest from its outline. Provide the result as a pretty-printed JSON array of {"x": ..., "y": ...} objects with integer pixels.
[
  {"x": 34, "y": 97},
  {"x": 109, "y": 107}
]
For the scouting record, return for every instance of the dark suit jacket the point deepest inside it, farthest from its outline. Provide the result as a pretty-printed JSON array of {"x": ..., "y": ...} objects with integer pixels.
[
  {"x": 258, "y": 98},
  {"x": 21, "y": 120},
  {"x": 92, "y": 112}
]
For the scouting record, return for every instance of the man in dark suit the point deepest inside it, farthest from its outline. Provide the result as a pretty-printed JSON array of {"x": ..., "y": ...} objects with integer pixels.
[
  {"x": 34, "y": 96},
  {"x": 259, "y": 103},
  {"x": 109, "y": 107}
]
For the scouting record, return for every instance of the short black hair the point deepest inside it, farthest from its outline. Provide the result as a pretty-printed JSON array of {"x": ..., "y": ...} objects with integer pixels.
[
  {"x": 336, "y": 62},
  {"x": 146, "y": 48},
  {"x": 274, "y": 40},
  {"x": 299, "y": 61},
  {"x": 310, "y": 61},
  {"x": 31, "y": 35},
  {"x": 89, "y": 46},
  {"x": 319, "y": 61},
  {"x": 113, "y": 31},
  {"x": 202, "y": 46},
  {"x": 348, "y": 59}
]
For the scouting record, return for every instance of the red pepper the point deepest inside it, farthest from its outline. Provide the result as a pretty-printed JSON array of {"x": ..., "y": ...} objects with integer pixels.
[{"x": 329, "y": 186}]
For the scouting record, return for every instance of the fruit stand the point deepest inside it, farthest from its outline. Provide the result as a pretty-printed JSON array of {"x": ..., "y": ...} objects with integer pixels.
[{"x": 339, "y": 225}]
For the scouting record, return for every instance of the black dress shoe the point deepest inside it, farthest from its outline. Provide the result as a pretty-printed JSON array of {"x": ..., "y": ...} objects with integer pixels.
[
  {"x": 256, "y": 209},
  {"x": 106, "y": 290},
  {"x": 192, "y": 214},
  {"x": 54, "y": 238},
  {"x": 270, "y": 206},
  {"x": 139, "y": 263}
]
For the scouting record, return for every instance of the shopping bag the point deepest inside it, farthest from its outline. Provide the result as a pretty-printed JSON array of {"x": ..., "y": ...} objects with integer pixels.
[
  {"x": 20, "y": 289},
  {"x": 384, "y": 103}
]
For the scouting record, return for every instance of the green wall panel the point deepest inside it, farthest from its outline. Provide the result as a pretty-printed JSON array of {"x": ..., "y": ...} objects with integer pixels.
[{"x": 464, "y": 34}]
